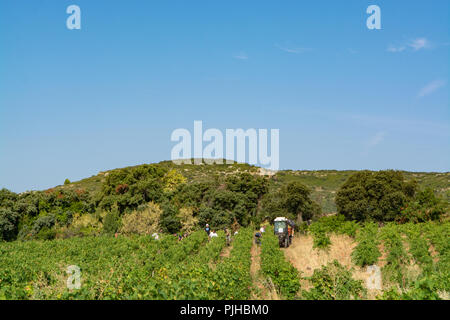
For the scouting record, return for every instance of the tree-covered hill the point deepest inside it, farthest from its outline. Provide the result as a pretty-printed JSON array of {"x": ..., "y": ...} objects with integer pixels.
[
  {"x": 323, "y": 183},
  {"x": 174, "y": 198}
]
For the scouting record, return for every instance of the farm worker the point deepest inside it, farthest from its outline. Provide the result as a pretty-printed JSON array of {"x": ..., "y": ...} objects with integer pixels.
[
  {"x": 207, "y": 229},
  {"x": 228, "y": 234},
  {"x": 116, "y": 235},
  {"x": 262, "y": 230},
  {"x": 213, "y": 234},
  {"x": 258, "y": 236}
]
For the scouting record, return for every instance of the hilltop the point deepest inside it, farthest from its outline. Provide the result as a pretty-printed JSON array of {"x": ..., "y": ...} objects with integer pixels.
[{"x": 323, "y": 183}]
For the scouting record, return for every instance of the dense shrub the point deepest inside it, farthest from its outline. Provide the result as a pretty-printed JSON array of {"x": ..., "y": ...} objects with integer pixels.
[
  {"x": 397, "y": 259},
  {"x": 366, "y": 252},
  {"x": 43, "y": 222},
  {"x": 8, "y": 224},
  {"x": 169, "y": 219},
  {"x": 422, "y": 289},
  {"x": 84, "y": 225},
  {"x": 321, "y": 238},
  {"x": 418, "y": 246},
  {"x": 424, "y": 207},
  {"x": 111, "y": 223},
  {"x": 321, "y": 229},
  {"x": 187, "y": 220},
  {"x": 292, "y": 201},
  {"x": 142, "y": 222},
  {"x": 129, "y": 187},
  {"x": 374, "y": 196},
  {"x": 334, "y": 282}
]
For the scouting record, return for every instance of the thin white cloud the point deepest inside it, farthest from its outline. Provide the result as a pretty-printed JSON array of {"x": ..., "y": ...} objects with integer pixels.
[
  {"x": 401, "y": 124},
  {"x": 414, "y": 45},
  {"x": 376, "y": 139},
  {"x": 352, "y": 51},
  {"x": 241, "y": 56},
  {"x": 419, "y": 43},
  {"x": 373, "y": 141},
  {"x": 431, "y": 87},
  {"x": 295, "y": 50},
  {"x": 395, "y": 49}
]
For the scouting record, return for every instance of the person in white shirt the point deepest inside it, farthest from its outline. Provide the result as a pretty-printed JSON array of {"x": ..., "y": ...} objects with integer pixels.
[
  {"x": 212, "y": 234},
  {"x": 263, "y": 229}
]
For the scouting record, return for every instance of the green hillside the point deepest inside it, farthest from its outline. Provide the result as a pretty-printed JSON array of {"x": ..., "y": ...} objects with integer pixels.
[
  {"x": 322, "y": 183},
  {"x": 139, "y": 233}
]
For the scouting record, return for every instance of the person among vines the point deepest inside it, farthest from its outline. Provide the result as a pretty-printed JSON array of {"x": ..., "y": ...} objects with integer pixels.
[
  {"x": 212, "y": 234},
  {"x": 228, "y": 236},
  {"x": 258, "y": 236}
]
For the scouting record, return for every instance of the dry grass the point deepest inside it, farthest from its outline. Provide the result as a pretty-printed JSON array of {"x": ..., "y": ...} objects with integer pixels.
[{"x": 306, "y": 259}]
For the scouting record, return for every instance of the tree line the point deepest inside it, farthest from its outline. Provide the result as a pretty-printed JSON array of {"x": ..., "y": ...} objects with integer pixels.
[{"x": 155, "y": 198}]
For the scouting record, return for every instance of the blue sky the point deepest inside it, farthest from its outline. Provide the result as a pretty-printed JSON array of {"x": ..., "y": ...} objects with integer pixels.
[{"x": 76, "y": 102}]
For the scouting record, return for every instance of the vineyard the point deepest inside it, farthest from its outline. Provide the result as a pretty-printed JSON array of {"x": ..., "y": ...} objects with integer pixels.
[{"x": 414, "y": 261}]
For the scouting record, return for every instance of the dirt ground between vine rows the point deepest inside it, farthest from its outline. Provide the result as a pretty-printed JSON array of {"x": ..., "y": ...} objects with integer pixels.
[
  {"x": 262, "y": 287},
  {"x": 226, "y": 251}
]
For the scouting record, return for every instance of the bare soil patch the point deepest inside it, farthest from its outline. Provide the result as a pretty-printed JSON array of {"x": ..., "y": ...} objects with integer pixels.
[
  {"x": 262, "y": 288},
  {"x": 306, "y": 259}
]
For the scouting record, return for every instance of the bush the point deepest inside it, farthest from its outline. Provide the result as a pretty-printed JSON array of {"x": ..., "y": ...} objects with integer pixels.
[
  {"x": 43, "y": 222},
  {"x": 422, "y": 289},
  {"x": 418, "y": 246},
  {"x": 321, "y": 239},
  {"x": 8, "y": 224},
  {"x": 130, "y": 187},
  {"x": 334, "y": 282},
  {"x": 187, "y": 220},
  {"x": 321, "y": 229},
  {"x": 366, "y": 252},
  {"x": 46, "y": 234},
  {"x": 111, "y": 223},
  {"x": 426, "y": 206},
  {"x": 374, "y": 196},
  {"x": 292, "y": 201},
  {"x": 338, "y": 225},
  {"x": 142, "y": 222},
  {"x": 169, "y": 220},
  {"x": 84, "y": 225},
  {"x": 397, "y": 258}
]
